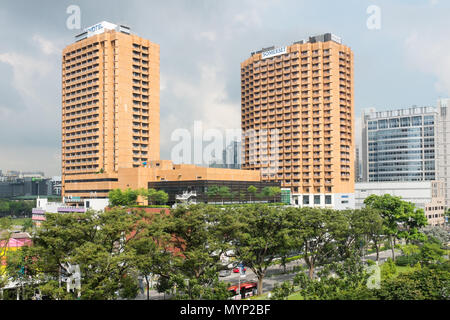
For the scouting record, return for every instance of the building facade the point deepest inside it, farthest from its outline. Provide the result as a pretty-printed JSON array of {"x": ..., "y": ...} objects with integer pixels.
[
  {"x": 297, "y": 113},
  {"x": 443, "y": 147},
  {"x": 399, "y": 145},
  {"x": 110, "y": 102},
  {"x": 26, "y": 187},
  {"x": 196, "y": 191}
]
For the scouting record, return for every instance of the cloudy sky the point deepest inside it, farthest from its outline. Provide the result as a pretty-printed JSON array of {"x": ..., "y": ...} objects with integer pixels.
[{"x": 405, "y": 63}]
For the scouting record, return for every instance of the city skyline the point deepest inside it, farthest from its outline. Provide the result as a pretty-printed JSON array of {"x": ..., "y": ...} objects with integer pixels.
[{"x": 200, "y": 63}]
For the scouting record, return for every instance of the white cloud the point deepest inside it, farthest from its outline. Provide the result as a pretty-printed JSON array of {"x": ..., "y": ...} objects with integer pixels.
[
  {"x": 208, "y": 35},
  {"x": 428, "y": 51},
  {"x": 27, "y": 72},
  {"x": 46, "y": 46},
  {"x": 434, "y": 2}
]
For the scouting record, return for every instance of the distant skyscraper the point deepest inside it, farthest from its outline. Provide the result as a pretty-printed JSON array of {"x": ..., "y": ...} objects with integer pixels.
[
  {"x": 443, "y": 147},
  {"x": 232, "y": 155},
  {"x": 399, "y": 145},
  {"x": 357, "y": 165},
  {"x": 297, "y": 119}
]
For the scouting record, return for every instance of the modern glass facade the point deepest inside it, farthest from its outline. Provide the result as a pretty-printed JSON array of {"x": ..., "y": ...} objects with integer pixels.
[{"x": 400, "y": 145}]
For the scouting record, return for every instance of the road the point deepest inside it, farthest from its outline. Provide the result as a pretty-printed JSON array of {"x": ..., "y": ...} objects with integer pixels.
[{"x": 274, "y": 275}]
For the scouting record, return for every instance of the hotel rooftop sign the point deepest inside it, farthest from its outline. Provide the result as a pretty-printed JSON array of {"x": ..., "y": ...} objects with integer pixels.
[
  {"x": 100, "y": 28},
  {"x": 273, "y": 52}
]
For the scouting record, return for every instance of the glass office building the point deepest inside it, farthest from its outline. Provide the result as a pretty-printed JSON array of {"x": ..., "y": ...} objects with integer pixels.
[{"x": 399, "y": 145}]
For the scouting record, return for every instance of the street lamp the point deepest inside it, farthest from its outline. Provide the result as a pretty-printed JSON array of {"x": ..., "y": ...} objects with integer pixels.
[{"x": 38, "y": 180}]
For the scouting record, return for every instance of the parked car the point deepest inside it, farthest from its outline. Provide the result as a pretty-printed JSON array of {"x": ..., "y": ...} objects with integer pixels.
[{"x": 236, "y": 269}]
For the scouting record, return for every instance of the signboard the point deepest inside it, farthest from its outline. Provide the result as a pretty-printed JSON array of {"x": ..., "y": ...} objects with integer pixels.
[
  {"x": 273, "y": 52},
  {"x": 336, "y": 39},
  {"x": 99, "y": 28},
  {"x": 286, "y": 196}
]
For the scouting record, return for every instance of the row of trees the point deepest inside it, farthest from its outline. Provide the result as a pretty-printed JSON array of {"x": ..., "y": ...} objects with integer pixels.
[
  {"x": 129, "y": 197},
  {"x": 224, "y": 192},
  {"x": 352, "y": 280},
  {"x": 20, "y": 208},
  {"x": 187, "y": 248}
]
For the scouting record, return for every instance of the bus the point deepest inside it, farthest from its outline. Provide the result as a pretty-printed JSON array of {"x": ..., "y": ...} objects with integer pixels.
[{"x": 248, "y": 289}]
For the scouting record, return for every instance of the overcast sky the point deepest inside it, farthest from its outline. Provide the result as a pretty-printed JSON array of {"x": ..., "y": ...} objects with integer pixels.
[{"x": 405, "y": 63}]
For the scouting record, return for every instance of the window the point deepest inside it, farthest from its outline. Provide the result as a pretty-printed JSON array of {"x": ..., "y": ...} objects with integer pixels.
[
  {"x": 373, "y": 125},
  {"x": 327, "y": 199},
  {"x": 394, "y": 123},
  {"x": 383, "y": 124},
  {"x": 417, "y": 121},
  {"x": 305, "y": 199},
  {"x": 406, "y": 122},
  {"x": 428, "y": 120},
  {"x": 316, "y": 199}
]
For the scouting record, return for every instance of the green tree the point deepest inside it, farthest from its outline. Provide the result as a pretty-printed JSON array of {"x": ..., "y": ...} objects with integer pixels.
[
  {"x": 242, "y": 196},
  {"x": 438, "y": 233},
  {"x": 19, "y": 268},
  {"x": 388, "y": 269},
  {"x": 422, "y": 284},
  {"x": 345, "y": 280},
  {"x": 153, "y": 251},
  {"x": 99, "y": 243},
  {"x": 212, "y": 192},
  {"x": 4, "y": 207},
  {"x": 271, "y": 192},
  {"x": 319, "y": 229},
  {"x": 5, "y": 235},
  {"x": 116, "y": 198},
  {"x": 400, "y": 218},
  {"x": 373, "y": 228},
  {"x": 155, "y": 197},
  {"x": 252, "y": 190},
  {"x": 224, "y": 192},
  {"x": 199, "y": 240},
  {"x": 283, "y": 291},
  {"x": 431, "y": 253},
  {"x": 259, "y": 233},
  {"x": 27, "y": 225},
  {"x": 119, "y": 198}
]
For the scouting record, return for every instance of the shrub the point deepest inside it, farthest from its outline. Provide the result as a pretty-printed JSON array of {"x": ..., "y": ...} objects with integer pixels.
[
  {"x": 388, "y": 269},
  {"x": 371, "y": 262},
  {"x": 410, "y": 260},
  {"x": 424, "y": 284}
]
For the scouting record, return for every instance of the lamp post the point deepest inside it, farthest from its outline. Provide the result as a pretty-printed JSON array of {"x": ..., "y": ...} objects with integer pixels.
[{"x": 38, "y": 180}]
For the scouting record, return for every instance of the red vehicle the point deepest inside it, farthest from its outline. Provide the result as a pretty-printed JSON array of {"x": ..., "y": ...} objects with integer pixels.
[
  {"x": 236, "y": 270},
  {"x": 248, "y": 289}
]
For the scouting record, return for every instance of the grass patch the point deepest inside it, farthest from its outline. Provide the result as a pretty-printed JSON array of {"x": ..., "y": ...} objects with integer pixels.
[
  {"x": 295, "y": 296},
  {"x": 404, "y": 269},
  {"x": 261, "y": 297},
  {"x": 20, "y": 221}
]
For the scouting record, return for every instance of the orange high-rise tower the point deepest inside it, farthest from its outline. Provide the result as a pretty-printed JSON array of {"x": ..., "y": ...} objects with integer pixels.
[
  {"x": 110, "y": 108},
  {"x": 304, "y": 95}
]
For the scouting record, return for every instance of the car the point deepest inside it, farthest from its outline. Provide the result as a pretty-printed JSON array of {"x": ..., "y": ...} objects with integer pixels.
[{"x": 237, "y": 269}]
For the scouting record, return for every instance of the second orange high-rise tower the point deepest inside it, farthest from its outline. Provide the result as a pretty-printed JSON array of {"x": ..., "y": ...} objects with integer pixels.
[{"x": 303, "y": 94}]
